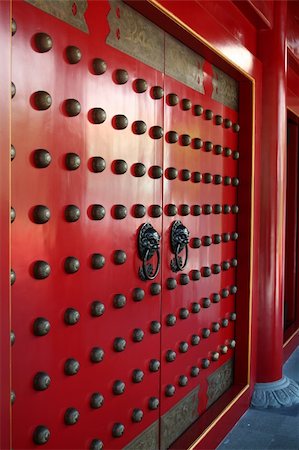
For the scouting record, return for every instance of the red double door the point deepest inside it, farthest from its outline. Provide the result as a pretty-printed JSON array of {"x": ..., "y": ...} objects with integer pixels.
[{"x": 123, "y": 333}]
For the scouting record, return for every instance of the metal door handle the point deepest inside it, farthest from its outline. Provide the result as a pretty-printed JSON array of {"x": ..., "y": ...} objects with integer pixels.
[
  {"x": 148, "y": 246},
  {"x": 179, "y": 240}
]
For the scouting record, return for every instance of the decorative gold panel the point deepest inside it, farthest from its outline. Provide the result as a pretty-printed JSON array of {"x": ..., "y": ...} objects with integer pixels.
[
  {"x": 148, "y": 440},
  {"x": 219, "y": 381}
]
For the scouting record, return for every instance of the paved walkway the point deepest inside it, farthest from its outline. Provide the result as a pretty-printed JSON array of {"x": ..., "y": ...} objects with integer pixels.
[{"x": 276, "y": 428}]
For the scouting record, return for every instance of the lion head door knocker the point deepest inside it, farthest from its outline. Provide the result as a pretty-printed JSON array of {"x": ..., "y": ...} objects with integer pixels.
[
  {"x": 148, "y": 245},
  {"x": 179, "y": 240}
]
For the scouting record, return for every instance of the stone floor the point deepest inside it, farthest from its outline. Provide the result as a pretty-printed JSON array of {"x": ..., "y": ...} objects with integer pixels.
[{"x": 276, "y": 428}]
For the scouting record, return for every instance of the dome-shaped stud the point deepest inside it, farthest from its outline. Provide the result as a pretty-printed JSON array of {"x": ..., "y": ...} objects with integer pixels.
[
  {"x": 156, "y": 132},
  {"x": 157, "y": 92},
  {"x": 197, "y": 110},
  {"x": 41, "y": 435},
  {"x": 232, "y": 343},
  {"x": 154, "y": 365},
  {"x": 12, "y": 338},
  {"x": 235, "y": 181},
  {"x": 98, "y": 115},
  {"x": 71, "y": 367},
  {"x": 170, "y": 390},
  {"x": 206, "y": 302},
  {"x": 208, "y": 114},
  {"x": 138, "y": 294},
  {"x": 224, "y": 323},
  {"x": 12, "y": 152},
  {"x": 196, "y": 210},
  {"x": 224, "y": 293},
  {"x": 183, "y": 347},
  {"x": 184, "y": 279},
  {"x": 207, "y": 178},
  {"x": 119, "y": 257},
  {"x": 155, "y": 172},
  {"x": 234, "y": 262},
  {"x": 195, "y": 307},
  {"x": 227, "y": 151},
  {"x": 216, "y": 298},
  {"x": 72, "y": 107},
  {"x": 233, "y": 289},
  {"x": 215, "y": 327},
  {"x": 216, "y": 268},
  {"x": 99, "y": 66},
  {"x": 236, "y": 155},
  {"x": 119, "y": 301},
  {"x": 227, "y": 123},
  {"x": 97, "y": 212},
  {"x": 155, "y": 327},
  {"x": 41, "y": 381},
  {"x": 71, "y": 264},
  {"x": 119, "y": 212},
  {"x": 137, "y": 415},
  {"x": 195, "y": 242},
  {"x": 235, "y": 209},
  {"x": 118, "y": 430},
  {"x": 223, "y": 349},
  {"x": 71, "y": 316},
  {"x": 42, "y": 158},
  {"x": 208, "y": 146},
  {"x": 195, "y": 275},
  {"x": 227, "y": 180},
  {"x": 13, "y": 90},
  {"x": 172, "y": 137},
  {"x": 217, "y": 179},
  {"x": 137, "y": 376},
  {"x": 119, "y": 387},
  {"x": 139, "y": 127},
  {"x": 73, "y": 54},
  {"x": 170, "y": 320},
  {"x": 226, "y": 209},
  {"x": 216, "y": 238},
  {"x": 217, "y": 209},
  {"x": 155, "y": 211},
  {"x": 138, "y": 170},
  {"x": 197, "y": 143},
  {"x": 206, "y": 241},
  {"x": 97, "y": 261},
  {"x": 97, "y": 354},
  {"x": 184, "y": 313},
  {"x": 185, "y": 175},
  {"x": 215, "y": 356},
  {"x": 121, "y": 76},
  {"x": 186, "y": 104},
  {"x": 172, "y": 99},
  {"x": 205, "y": 363},
  {"x": 207, "y": 209},
  {"x": 41, "y": 326},
  {"x": 155, "y": 289},
  {"x": 183, "y": 380},
  {"x": 195, "y": 339},
  {"x": 119, "y": 344},
  {"x": 13, "y": 27},
  {"x": 72, "y": 213},
  {"x": 71, "y": 416},
  {"x": 185, "y": 140},
  {"x": 96, "y": 400},
  {"x": 184, "y": 210},
  {"x": 138, "y": 211},
  {"x": 206, "y": 333},
  {"x": 120, "y": 122},
  {"x": 42, "y": 100},
  {"x": 196, "y": 177},
  {"x": 72, "y": 161},
  {"x": 218, "y": 119},
  {"x": 153, "y": 403},
  {"x": 41, "y": 214},
  {"x": 171, "y": 210},
  {"x": 218, "y": 149},
  {"x": 140, "y": 85},
  {"x": 41, "y": 270},
  {"x": 236, "y": 127},
  {"x": 137, "y": 335},
  {"x": 194, "y": 371},
  {"x": 206, "y": 271},
  {"x": 171, "y": 173},
  {"x": 225, "y": 265},
  {"x": 12, "y": 214},
  {"x": 97, "y": 309},
  {"x": 170, "y": 355}
]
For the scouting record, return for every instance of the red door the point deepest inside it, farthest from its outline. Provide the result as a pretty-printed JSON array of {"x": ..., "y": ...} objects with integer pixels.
[{"x": 117, "y": 329}]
